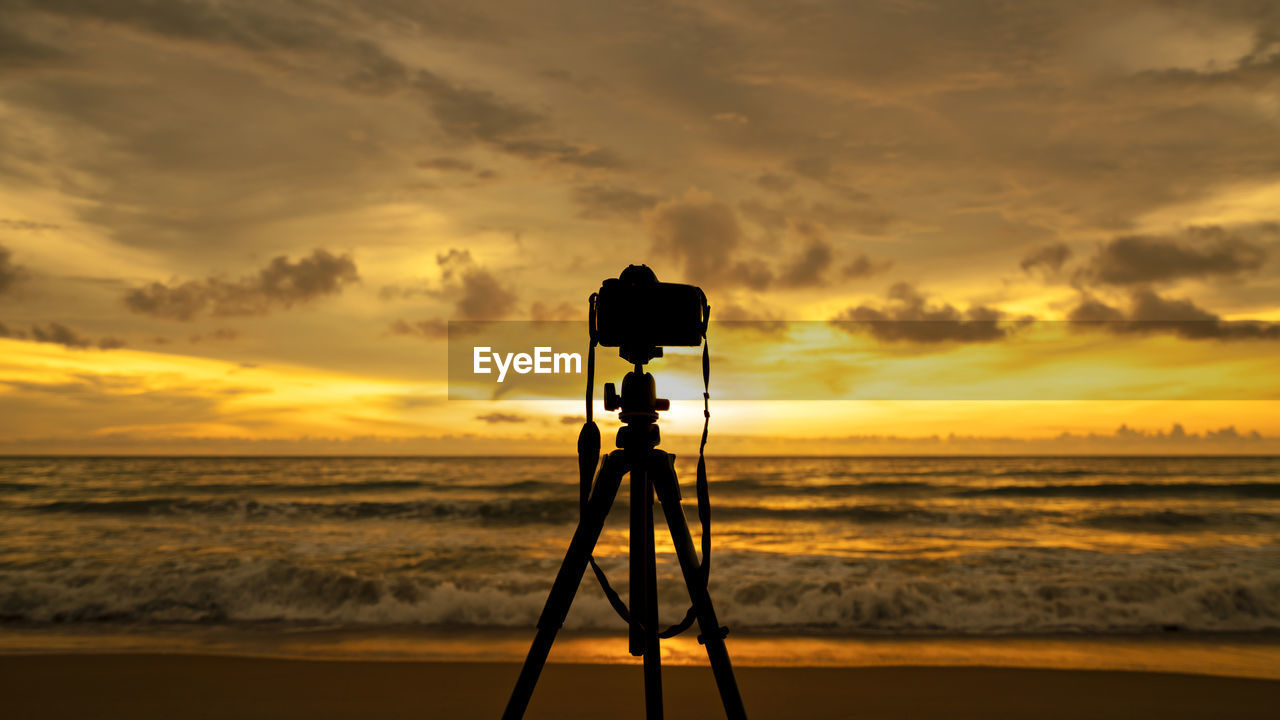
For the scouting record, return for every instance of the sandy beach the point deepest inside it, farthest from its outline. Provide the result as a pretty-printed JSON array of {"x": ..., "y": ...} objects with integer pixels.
[{"x": 190, "y": 686}]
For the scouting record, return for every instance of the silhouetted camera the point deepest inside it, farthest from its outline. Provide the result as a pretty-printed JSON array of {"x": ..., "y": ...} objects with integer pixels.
[{"x": 635, "y": 312}]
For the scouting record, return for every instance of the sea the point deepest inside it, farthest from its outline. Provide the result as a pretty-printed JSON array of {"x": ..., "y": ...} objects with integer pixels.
[{"x": 832, "y": 560}]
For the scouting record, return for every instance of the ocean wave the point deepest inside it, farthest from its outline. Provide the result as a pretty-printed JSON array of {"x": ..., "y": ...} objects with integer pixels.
[
  {"x": 564, "y": 511},
  {"x": 1132, "y": 490},
  {"x": 1006, "y": 591},
  {"x": 522, "y": 510},
  {"x": 1129, "y": 490},
  {"x": 877, "y": 514},
  {"x": 1175, "y": 521}
]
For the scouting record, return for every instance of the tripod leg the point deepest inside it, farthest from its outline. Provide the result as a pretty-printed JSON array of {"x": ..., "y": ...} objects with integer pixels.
[
  {"x": 644, "y": 588},
  {"x": 567, "y": 581},
  {"x": 663, "y": 475}
]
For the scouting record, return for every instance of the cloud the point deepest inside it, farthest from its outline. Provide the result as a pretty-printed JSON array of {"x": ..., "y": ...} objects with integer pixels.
[
  {"x": 704, "y": 235},
  {"x": 482, "y": 297},
  {"x": 20, "y": 50},
  {"x": 27, "y": 225},
  {"x": 563, "y": 312},
  {"x": 909, "y": 318},
  {"x": 446, "y": 164},
  {"x": 863, "y": 267},
  {"x": 498, "y": 418},
  {"x": 1049, "y": 257},
  {"x": 432, "y": 329},
  {"x": 475, "y": 292},
  {"x": 1148, "y": 312},
  {"x": 701, "y": 233},
  {"x": 754, "y": 274},
  {"x": 9, "y": 273},
  {"x": 563, "y": 152},
  {"x": 471, "y": 114},
  {"x": 280, "y": 284},
  {"x": 856, "y": 212},
  {"x": 808, "y": 267},
  {"x": 608, "y": 201},
  {"x": 476, "y": 115},
  {"x": 775, "y": 182},
  {"x": 217, "y": 335},
  {"x": 59, "y": 334},
  {"x": 1205, "y": 251},
  {"x": 738, "y": 317},
  {"x": 814, "y": 167}
]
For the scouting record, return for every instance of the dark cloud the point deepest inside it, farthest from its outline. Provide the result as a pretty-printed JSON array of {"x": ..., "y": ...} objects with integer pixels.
[
  {"x": 775, "y": 182},
  {"x": 1148, "y": 313},
  {"x": 281, "y": 283},
  {"x": 475, "y": 115},
  {"x": 1203, "y": 252},
  {"x": 1093, "y": 310},
  {"x": 704, "y": 235},
  {"x": 455, "y": 167},
  {"x": 266, "y": 33},
  {"x": 608, "y": 201},
  {"x": 19, "y": 50},
  {"x": 856, "y": 212},
  {"x": 767, "y": 216},
  {"x": 816, "y": 167},
  {"x": 433, "y": 329},
  {"x": 178, "y": 302},
  {"x": 1049, "y": 257},
  {"x": 482, "y": 297},
  {"x": 59, "y": 334},
  {"x": 701, "y": 233},
  {"x": 572, "y": 419},
  {"x": 447, "y": 164},
  {"x": 909, "y": 318},
  {"x": 565, "y": 311},
  {"x": 471, "y": 114},
  {"x": 27, "y": 225},
  {"x": 221, "y": 334},
  {"x": 754, "y": 274},
  {"x": 808, "y": 268},
  {"x": 863, "y": 266},
  {"x": 738, "y": 317},
  {"x": 496, "y": 418},
  {"x": 9, "y": 273},
  {"x": 474, "y": 291},
  {"x": 563, "y": 152},
  {"x": 452, "y": 261}
]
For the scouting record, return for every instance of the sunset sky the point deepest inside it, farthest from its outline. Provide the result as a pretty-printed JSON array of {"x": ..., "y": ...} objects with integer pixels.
[{"x": 244, "y": 226}]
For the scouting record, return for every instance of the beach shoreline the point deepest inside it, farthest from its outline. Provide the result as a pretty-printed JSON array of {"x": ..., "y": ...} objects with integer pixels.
[
  {"x": 209, "y": 686},
  {"x": 1245, "y": 655}
]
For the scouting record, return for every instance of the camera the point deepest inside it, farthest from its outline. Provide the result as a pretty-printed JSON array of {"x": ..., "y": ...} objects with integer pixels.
[{"x": 638, "y": 314}]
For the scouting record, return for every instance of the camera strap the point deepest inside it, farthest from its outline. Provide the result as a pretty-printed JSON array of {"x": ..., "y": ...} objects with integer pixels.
[{"x": 589, "y": 458}]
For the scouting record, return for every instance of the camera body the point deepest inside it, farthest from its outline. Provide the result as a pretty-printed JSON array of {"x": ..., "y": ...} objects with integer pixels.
[{"x": 636, "y": 313}]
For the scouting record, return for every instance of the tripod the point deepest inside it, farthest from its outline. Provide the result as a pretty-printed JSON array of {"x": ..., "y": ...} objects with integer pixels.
[{"x": 652, "y": 471}]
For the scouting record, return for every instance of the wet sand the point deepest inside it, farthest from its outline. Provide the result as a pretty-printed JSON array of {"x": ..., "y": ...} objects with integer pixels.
[{"x": 194, "y": 686}]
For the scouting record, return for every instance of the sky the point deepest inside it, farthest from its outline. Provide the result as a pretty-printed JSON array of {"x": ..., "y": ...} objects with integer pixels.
[{"x": 244, "y": 226}]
